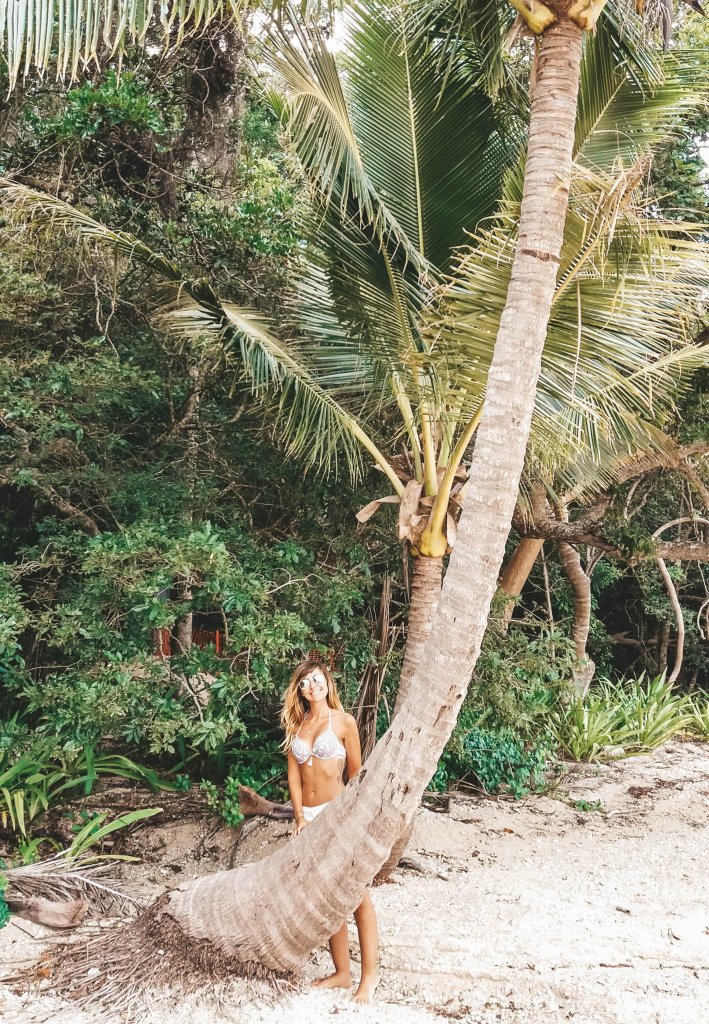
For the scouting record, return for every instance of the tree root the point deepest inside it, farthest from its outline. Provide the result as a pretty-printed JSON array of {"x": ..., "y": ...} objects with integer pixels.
[{"x": 117, "y": 970}]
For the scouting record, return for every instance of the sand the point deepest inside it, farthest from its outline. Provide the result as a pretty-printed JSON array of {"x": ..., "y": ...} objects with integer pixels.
[{"x": 525, "y": 912}]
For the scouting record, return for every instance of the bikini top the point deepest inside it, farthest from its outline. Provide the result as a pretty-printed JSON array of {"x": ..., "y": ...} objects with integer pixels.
[{"x": 325, "y": 747}]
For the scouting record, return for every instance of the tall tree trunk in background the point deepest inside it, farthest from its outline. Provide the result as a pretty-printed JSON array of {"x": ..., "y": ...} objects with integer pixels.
[
  {"x": 679, "y": 619},
  {"x": 214, "y": 96},
  {"x": 189, "y": 421},
  {"x": 366, "y": 709},
  {"x": 276, "y": 911},
  {"x": 581, "y": 624},
  {"x": 663, "y": 643},
  {"x": 182, "y": 630},
  {"x": 516, "y": 573},
  {"x": 425, "y": 592},
  {"x": 672, "y": 594}
]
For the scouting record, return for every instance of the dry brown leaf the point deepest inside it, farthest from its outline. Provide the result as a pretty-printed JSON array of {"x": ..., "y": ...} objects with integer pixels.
[
  {"x": 368, "y": 511},
  {"x": 409, "y": 506}
]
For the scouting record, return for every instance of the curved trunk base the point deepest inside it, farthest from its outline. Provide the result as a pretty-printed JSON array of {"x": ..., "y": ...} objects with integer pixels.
[{"x": 152, "y": 953}]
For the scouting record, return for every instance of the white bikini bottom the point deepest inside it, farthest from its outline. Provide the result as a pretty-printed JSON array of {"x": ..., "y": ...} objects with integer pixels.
[{"x": 312, "y": 812}]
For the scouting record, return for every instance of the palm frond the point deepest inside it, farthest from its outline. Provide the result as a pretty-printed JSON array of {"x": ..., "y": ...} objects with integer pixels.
[
  {"x": 420, "y": 137},
  {"x": 88, "y": 877},
  {"x": 454, "y": 27},
  {"x": 315, "y": 426},
  {"x": 315, "y": 114},
  {"x": 399, "y": 143},
  {"x": 631, "y": 98},
  {"x": 71, "y": 36},
  {"x": 619, "y": 346},
  {"x": 354, "y": 294},
  {"x": 582, "y": 477},
  {"x": 623, "y": 115}
]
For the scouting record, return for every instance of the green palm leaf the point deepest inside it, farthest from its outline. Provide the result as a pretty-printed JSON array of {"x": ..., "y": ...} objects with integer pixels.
[
  {"x": 420, "y": 138},
  {"x": 317, "y": 119},
  {"x": 622, "y": 114},
  {"x": 455, "y": 27},
  {"x": 619, "y": 345},
  {"x": 399, "y": 144},
  {"x": 71, "y": 35}
]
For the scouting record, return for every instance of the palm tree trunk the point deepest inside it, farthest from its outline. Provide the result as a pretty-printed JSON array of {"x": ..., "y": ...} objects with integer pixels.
[
  {"x": 663, "y": 647},
  {"x": 274, "y": 912},
  {"x": 425, "y": 592},
  {"x": 516, "y": 573}
]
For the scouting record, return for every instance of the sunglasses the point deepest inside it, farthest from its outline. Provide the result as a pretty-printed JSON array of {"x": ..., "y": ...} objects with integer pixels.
[{"x": 307, "y": 682}]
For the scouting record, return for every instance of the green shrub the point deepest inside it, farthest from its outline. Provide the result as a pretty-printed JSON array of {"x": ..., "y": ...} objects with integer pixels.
[
  {"x": 698, "y": 717},
  {"x": 589, "y": 806},
  {"x": 650, "y": 712},
  {"x": 634, "y": 715},
  {"x": 502, "y": 740},
  {"x": 519, "y": 677},
  {"x": 42, "y": 775},
  {"x": 584, "y": 728},
  {"x": 499, "y": 761}
]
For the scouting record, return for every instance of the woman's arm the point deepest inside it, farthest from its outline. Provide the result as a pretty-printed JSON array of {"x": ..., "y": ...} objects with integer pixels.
[
  {"x": 352, "y": 746},
  {"x": 295, "y": 789}
]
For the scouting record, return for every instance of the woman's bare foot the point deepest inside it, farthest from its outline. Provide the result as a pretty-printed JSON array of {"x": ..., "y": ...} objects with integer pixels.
[
  {"x": 340, "y": 979},
  {"x": 367, "y": 985}
]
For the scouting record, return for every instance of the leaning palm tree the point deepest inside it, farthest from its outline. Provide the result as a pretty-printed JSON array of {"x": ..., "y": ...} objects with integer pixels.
[{"x": 237, "y": 918}]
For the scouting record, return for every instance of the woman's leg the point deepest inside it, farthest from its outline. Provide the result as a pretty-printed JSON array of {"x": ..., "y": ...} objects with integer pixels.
[
  {"x": 366, "y": 921},
  {"x": 340, "y": 952}
]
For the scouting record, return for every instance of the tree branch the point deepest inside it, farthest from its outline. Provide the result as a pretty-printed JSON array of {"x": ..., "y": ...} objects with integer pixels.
[{"x": 679, "y": 618}]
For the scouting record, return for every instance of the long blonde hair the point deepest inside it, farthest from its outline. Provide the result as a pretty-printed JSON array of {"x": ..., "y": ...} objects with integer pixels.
[{"x": 295, "y": 706}]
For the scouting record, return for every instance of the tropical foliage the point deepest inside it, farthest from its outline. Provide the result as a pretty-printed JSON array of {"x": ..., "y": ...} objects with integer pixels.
[
  {"x": 383, "y": 338},
  {"x": 621, "y": 718},
  {"x": 325, "y": 297}
]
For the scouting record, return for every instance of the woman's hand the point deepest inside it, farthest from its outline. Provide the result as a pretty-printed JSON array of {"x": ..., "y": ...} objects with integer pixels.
[{"x": 300, "y": 824}]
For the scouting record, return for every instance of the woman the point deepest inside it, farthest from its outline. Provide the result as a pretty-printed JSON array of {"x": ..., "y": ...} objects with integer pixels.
[{"x": 322, "y": 742}]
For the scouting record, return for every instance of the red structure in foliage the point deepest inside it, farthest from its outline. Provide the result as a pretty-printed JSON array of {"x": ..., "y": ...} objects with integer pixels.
[{"x": 162, "y": 640}]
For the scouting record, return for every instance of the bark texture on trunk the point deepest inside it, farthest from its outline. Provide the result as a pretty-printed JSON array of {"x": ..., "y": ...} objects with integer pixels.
[
  {"x": 276, "y": 911},
  {"x": 663, "y": 647},
  {"x": 182, "y": 632},
  {"x": 516, "y": 573},
  {"x": 581, "y": 590},
  {"x": 370, "y": 687},
  {"x": 425, "y": 592}
]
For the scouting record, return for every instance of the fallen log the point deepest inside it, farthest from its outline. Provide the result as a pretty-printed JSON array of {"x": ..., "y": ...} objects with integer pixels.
[
  {"x": 251, "y": 803},
  {"x": 67, "y": 914}
]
